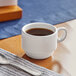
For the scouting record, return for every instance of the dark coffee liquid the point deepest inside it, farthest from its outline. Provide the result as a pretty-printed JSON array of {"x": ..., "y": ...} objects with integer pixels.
[{"x": 39, "y": 31}]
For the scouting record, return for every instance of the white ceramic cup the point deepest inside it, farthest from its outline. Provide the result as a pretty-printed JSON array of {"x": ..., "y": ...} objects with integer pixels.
[
  {"x": 41, "y": 47},
  {"x": 8, "y": 2}
]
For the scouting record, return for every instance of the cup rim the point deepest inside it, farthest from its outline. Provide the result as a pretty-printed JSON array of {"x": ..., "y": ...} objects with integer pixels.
[{"x": 38, "y": 23}]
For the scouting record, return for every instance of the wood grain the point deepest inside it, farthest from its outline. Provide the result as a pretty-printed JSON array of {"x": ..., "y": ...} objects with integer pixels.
[{"x": 10, "y": 13}]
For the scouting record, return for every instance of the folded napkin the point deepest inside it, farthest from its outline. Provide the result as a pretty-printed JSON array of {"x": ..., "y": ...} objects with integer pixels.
[{"x": 7, "y": 70}]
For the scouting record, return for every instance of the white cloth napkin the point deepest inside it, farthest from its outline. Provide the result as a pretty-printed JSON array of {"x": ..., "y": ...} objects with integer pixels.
[{"x": 7, "y": 70}]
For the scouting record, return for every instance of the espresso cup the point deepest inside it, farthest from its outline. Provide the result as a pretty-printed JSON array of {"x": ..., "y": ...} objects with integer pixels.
[{"x": 41, "y": 47}]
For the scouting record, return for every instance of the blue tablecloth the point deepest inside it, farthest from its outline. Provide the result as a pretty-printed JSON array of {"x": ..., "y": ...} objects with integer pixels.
[{"x": 50, "y": 11}]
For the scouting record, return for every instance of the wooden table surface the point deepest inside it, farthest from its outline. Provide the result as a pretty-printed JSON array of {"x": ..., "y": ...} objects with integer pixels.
[{"x": 63, "y": 56}]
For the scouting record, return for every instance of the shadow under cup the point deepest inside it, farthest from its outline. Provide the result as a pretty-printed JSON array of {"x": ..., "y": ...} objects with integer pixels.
[{"x": 48, "y": 63}]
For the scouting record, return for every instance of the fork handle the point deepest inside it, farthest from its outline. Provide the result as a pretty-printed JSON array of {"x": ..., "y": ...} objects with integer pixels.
[{"x": 28, "y": 70}]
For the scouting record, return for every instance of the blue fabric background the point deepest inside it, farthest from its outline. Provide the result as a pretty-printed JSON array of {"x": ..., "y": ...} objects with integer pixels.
[{"x": 50, "y": 11}]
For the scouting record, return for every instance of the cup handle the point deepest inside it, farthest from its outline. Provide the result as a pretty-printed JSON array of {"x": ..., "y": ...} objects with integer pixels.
[{"x": 62, "y": 38}]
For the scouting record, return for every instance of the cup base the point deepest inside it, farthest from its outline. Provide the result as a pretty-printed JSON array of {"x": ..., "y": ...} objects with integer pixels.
[{"x": 39, "y": 58}]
